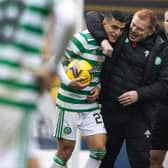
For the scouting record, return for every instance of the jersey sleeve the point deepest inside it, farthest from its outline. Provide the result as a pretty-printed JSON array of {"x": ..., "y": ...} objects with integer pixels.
[{"x": 76, "y": 46}]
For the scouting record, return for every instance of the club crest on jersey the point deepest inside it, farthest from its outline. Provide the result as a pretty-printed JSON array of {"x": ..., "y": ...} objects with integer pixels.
[
  {"x": 126, "y": 40},
  {"x": 158, "y": 60},
  {"x": 67, "y": 130}
]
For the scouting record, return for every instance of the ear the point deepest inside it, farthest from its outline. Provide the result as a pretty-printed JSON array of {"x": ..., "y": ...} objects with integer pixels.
[
  {"x": 103, "y": 22},
  {"x": 152, "y": 31}
]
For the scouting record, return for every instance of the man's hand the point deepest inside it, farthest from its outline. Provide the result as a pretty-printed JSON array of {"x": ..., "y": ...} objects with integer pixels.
[
  {"x": 76, "y": 83},
  {"x": 107, "y": 48},
  {"x": 128, "y": 98},
  {"x": 94, "y": 93},
  {"x": 43, "y": 76}
]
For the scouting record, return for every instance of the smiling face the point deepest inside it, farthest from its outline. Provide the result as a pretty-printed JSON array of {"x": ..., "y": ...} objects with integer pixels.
[
  {"x": 142, "y": 25},
  {"x": 113, "y": 29},
  {"x": 139, "y": 29}
]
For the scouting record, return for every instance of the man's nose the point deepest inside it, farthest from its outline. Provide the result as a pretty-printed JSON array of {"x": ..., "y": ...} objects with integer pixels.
[
  {"x": 118, "y": 32},
  {"x": 133, "y": 29}
]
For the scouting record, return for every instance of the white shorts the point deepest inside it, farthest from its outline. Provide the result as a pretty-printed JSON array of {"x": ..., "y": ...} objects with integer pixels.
[
  {"x": 15, "y": 143},
  {"x": 89, "y": 123}
]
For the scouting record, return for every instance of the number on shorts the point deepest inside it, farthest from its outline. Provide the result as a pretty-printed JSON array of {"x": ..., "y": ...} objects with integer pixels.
[
  {"x": 98, "y": 118},
  {"x": 10, "y": 11}
]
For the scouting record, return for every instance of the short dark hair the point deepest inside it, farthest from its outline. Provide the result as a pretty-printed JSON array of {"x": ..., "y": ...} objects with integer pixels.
[{"x": 116, "y": 14}]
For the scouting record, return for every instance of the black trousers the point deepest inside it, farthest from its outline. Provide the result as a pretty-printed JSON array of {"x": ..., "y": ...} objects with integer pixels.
[
  {"x": 159, "y": 131},
  {"x": 126, "y": 124}
]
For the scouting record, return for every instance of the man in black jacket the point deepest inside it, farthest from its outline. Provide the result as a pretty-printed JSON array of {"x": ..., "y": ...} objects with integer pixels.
[
  {"x": 132, "y": 82},
  {"x": 159, "y": 143}
]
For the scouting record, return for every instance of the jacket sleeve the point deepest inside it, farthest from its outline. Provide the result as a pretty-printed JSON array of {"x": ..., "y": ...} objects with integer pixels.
[
  {"x": 157, "y": 90},
  {"x": 94, "y": 24}
]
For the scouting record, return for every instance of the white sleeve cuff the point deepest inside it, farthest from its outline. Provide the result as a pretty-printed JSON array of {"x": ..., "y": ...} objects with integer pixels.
[{"x": 62, "y": 75}]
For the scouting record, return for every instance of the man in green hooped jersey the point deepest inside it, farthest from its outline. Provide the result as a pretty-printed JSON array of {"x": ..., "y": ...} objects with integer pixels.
[
  {"x": 77, "y": 106},
  {"x": 22, "y": 30}
]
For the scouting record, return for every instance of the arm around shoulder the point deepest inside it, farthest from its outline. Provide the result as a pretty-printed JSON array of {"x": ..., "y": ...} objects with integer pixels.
[{"x": 94, "y": 24}]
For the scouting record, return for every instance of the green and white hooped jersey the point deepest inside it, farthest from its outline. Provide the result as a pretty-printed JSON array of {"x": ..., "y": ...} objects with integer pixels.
[
  {"x": 82, "y": 46},
  {"x": 22, "y": 28}
]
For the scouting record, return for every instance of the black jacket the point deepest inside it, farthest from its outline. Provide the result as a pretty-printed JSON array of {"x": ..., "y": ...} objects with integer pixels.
[
  {"x": 155, "y": 77},
  {"x": 154, "y": 89}
]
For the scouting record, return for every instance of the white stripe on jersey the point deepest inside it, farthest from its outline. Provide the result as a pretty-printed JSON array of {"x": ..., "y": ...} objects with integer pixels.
[
  {"x": 82, "y": 40},
  {"x": 16, "y": 74},
  {"x": 30, "y": 39},
  {"x": 89, "y": 56},
  {"x": 19, "y": 95},
  {"x": 9, "y": 52},
  {"x": 31, "y": 60},
  {"x": 72, "y": 94},
  {"x": 87, "y": 107},
  {"x": 73, "y": 47},
  {"x": 32, "y": 18}
]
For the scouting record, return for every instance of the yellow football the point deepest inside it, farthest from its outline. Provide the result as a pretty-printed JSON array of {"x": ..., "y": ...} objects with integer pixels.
[{"x": 79, "y": 68}]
